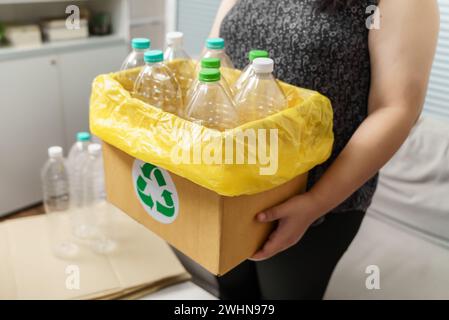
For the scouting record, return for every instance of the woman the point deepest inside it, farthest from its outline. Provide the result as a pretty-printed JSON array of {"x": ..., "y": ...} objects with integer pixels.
[{"x": 376, "y": 79}]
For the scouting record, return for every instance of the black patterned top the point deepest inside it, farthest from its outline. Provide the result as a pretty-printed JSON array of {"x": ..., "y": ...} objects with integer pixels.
[{"x": 323, "y": 51}]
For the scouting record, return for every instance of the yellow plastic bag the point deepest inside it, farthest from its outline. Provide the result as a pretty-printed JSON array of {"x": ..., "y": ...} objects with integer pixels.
[{"x": 252, "y": 158}]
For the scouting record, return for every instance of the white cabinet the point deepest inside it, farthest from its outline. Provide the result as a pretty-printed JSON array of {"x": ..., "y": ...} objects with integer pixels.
[
  {"x": 44, "y": 101},
  {"x": 31, "y": 114},
  {"x": 45, "y": 90},
  {"x": 78, "y": 69}
]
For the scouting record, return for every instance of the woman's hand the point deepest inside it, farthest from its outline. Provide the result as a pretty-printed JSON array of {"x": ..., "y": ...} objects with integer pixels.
[{"x": 294, "y": 217}]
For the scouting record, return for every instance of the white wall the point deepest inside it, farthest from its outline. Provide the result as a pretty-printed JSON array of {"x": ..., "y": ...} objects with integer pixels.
[
  {"x": 147, "y": 19},
  {"x": 437, "y": 102},
  {"x": 195, "y": 19}
]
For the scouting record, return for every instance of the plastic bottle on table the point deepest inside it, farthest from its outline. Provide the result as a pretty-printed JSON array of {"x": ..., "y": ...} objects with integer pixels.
[
  {"x": 210, "y": 63},
  {"x": 261, "y": 96},
  {"x": 95, "y": 200},
  {"x": 135, "y": 59},
  {"x": 157, "y": 86},
  {"x": 55, "y": 185},
  {"x": 210, "y": 105},
  {"x": 248, "y": 71},
  {"x": 185, "y": 68},
  {"x": 75, "y": 162}
]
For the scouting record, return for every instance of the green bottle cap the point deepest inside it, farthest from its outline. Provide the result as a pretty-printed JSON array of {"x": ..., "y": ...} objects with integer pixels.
[
  {"x": 254, "y": 54},
  {"x": 210, "y": 75},
  {"x": 211, "y": 63},
  {"x": 83, "y": 136},
  {"x": 140, "y": 43},
  {"x": 215, "y": 43}
]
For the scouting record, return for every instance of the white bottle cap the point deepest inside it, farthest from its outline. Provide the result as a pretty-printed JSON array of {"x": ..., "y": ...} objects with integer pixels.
[
  {"x": 55, "y": 152},
  {"x": 94, "y": 148},
  {"x": 263, "y": 65},
  {"x": 175, "y": 37}
]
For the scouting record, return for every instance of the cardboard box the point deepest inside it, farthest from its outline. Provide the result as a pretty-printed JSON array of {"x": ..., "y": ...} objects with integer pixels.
[{"x": 217, "y": 232}]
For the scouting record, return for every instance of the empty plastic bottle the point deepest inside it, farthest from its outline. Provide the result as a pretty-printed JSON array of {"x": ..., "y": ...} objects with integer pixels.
[
  {"x": 75, "y": 162},
  {"x": 261, "y": 96},
  {"x": 135, "y": 59},
  {"x": 215, "y": 48},
  {"x": 94, "y": 176},
  {"x": 55, "y": 181},
  {"x": 210, "y": 105},
  {"x": 93, "y": 193},
  {"x": 183, "y": 68},
  {"x": 157, "y": 86},
  {"x": 55, "y": 185},
  {"x": 248, "y": 71},
  {"x": 210, "y": 63},
  {"x": 97, "y": 215}
]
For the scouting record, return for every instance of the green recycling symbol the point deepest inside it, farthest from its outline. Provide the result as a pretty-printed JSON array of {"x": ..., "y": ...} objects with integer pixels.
[{"x": 156, "y": 191}]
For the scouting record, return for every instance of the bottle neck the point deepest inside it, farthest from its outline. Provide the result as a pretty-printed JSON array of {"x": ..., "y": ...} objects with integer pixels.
[
  {"x": 216, "y": 50},
  {"x": 210, "y": 82},
  {"x": 82, "y": 145},
  {"x": 175, "y": 46},
  {"x": 264, "y": 75},
  {"x": 56, "y": 159},
  {"x": 152, "y": 64},
  {"x": 136, "y": 50}
]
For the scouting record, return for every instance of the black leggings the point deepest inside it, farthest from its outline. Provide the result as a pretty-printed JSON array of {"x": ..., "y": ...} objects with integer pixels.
[{"x": 303, "y": 271}]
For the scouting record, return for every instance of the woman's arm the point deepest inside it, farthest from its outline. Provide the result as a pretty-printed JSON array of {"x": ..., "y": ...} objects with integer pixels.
[
  {"x": 224, "y": 8},
  {"x": 401, "y": 53}
]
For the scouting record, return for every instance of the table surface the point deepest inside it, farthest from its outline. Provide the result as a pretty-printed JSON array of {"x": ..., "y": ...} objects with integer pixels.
[{"x": 182, "y": 291}]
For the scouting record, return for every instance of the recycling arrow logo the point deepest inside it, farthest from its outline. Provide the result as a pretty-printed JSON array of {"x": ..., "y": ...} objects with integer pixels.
[{"x": 156, "y": 191}]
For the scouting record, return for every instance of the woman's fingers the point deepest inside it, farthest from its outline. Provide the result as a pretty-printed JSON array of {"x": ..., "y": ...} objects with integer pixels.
[
  {"x": 269, "y": 215},
  {"x": 294, "y": 217},
  {"x": 277, "y": 242},
  {"x": 287, "y": 234},
  {"x": 277, "y": 212}
]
